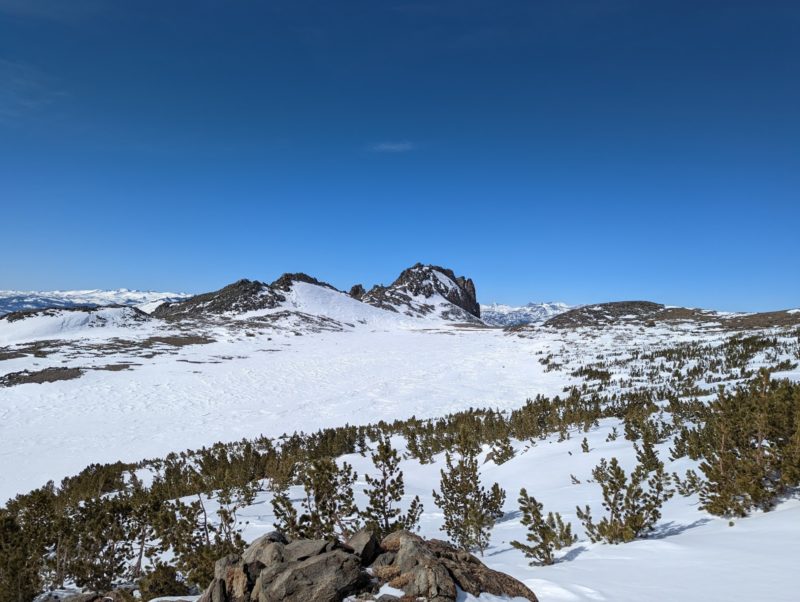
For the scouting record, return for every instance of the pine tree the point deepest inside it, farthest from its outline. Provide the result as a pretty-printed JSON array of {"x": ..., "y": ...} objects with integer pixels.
[
  {"x": 545, "y": 534},
  {"x": 502, "y": 451},
  {"x": 469, "y": 510},
  {"x": 631, "y": 509},
  {"x": 286, "y": 518},
  {"x": 20, "y": 562},
  {"x": 385, "y": 491},
  {"x": 104, "y": 550},
  {"x": 328, "y": 505}
]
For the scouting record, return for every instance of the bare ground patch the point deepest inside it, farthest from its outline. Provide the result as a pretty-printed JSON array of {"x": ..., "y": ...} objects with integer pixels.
[{"x": 48, "y": 375}]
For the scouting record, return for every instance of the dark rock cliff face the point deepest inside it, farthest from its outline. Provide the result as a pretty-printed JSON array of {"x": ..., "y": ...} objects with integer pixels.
[
  {"x": 357, "y": 292},
  {"x": 426, "y": 281}
]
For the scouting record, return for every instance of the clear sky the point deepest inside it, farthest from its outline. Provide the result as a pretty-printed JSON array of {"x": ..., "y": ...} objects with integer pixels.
[{"x": 576, "y": 150}]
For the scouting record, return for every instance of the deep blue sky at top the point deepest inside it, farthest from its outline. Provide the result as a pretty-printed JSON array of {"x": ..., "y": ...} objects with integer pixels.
[{"x": 582, "y": 150}]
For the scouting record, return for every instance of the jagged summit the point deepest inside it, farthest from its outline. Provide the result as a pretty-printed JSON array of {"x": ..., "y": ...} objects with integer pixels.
[
  {"x": 422, "y": 290},
  {"x": 286, "y": 281}
]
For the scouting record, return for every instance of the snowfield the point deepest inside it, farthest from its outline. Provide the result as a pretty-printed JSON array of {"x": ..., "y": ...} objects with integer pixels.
[
  {"x": 256, "y": 385},
  {"x": 148, "y": 387}
]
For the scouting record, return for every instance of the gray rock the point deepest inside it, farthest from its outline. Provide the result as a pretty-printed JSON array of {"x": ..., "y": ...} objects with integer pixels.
[
  {"x": 329, "y": 571},
  {"x": 366, "y": 545},
  {"x": 305, "y": 548},
  {"x": 384, "y": 559},
  {"x": 433, "y": 568},
  {"x": 264, "y": 551},
  {"x": 327, "y": 577}
]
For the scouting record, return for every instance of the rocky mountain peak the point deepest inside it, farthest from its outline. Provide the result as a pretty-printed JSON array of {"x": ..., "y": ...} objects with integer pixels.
[
  {"x": 286, "y": 281},
  {"x": 427, "y": 280},
  {"x": 420, "y": 290}
]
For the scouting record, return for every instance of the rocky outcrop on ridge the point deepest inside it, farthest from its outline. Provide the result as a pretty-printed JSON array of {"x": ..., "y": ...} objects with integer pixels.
[
  {"x": 241, "y": 296},
  {"x": 273, "y": 569},
  {"x": 285, "y": 282},
  {"x": 415, "y": 293},
  {"x": 357, "y": 291},
  {"x": 647, "y": 313}
]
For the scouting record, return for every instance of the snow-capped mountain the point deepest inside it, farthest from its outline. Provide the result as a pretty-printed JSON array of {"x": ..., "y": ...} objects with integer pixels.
[
  {"x": 11, "y": 301},
  {"x": 496, "y": 314},
  {"x": 427, "y": 290},
  {"x": 421, "y": 291}
]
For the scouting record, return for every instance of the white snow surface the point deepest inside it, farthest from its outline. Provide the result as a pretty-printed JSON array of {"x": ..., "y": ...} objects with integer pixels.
[
  {"x": 66, "y": 323},
  {"x": 372, "y": 365}
]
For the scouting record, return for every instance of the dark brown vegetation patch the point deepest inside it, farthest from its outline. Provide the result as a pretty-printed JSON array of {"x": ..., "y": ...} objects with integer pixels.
[{"x": 48, "y": 375}]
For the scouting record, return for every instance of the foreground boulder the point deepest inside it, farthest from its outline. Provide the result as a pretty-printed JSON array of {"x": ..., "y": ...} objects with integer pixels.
[{"x": 273, "y": 569}]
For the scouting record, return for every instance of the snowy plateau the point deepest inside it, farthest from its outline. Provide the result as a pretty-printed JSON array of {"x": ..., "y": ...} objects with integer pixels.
[{"x": 92, "y": 377}]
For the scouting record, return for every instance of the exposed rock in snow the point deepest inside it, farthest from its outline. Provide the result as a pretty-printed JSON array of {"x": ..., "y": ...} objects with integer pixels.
[
  {"x": 424, "y": 290},
  {"x": 533, "y": 313}
]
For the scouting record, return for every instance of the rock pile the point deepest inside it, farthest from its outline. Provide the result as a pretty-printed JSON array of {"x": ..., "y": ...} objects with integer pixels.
[{"x": 273, "y": 569}]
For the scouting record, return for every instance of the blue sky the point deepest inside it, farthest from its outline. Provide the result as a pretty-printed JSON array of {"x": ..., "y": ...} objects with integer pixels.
[{"x": 562, "y": 150}]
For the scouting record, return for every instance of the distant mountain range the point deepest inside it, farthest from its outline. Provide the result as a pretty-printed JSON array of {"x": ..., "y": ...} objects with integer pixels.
[
  {"x": 497, "y": 314},
  {"x": 421, "y": 291},
  {"x": 11, "y": 301}
]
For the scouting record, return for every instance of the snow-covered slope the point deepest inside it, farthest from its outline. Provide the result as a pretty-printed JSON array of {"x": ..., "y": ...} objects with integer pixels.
[
  {"x": 497, "y": 314},
  {"x": 27, "y": 300},
  {"x": 63, "y": 323}
]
